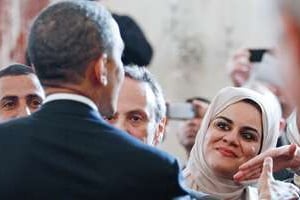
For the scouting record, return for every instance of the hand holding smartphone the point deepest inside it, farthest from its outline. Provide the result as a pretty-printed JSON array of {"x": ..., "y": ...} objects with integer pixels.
[
  {"x": 256, "y": 55},
  {"x": 265, "y": 67}
]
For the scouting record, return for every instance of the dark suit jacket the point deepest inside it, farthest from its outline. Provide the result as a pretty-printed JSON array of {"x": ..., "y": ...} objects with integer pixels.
[{"x": 66, "y": 151}]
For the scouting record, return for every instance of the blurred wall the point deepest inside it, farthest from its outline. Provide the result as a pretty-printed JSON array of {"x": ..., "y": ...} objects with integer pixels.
[
  {"x": 9, "y": 29},
  {"x": 15, "y": 20},
  {"x": 192, "y": 40}
]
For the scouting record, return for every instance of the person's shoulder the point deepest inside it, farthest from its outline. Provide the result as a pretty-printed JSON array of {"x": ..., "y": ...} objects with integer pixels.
[
  {"x": 14, "y": 124},
  {"x": 137, "y": 147},
  {"x": 15, "y": 133},
  {"x": 145, "y": 156}
]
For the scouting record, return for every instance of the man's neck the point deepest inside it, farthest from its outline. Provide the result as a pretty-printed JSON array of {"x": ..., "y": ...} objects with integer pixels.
[
  {"x": 71, "y": 89},
  {"x": 66, "y": 89}
]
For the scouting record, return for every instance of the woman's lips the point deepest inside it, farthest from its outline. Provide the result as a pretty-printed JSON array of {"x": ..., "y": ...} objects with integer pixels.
[{"x": 226, "y": 152}]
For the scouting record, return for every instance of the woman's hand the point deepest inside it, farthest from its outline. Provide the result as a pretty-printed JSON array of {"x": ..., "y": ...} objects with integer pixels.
[
  {"x": 283, "y": 157},
  {"x": 270, "y": 189}
]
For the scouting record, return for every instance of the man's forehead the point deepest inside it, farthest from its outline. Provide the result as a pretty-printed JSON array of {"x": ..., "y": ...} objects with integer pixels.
[
  {"x": 21, "y": 85},
  {"x": 136, "y": 95},
  {"x": 137, "y": 89}
]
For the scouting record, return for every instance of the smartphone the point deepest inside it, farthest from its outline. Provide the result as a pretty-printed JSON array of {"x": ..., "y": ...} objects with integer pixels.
[
  {"x": 180, "y": 111},
  {"x": 265, "y": 67},
  {"x": 268, "y": 71},
  {"x": 256, "y": 55}
]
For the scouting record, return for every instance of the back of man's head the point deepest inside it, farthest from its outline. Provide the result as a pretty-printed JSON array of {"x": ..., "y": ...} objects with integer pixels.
[{"x": 66, "y": 37}]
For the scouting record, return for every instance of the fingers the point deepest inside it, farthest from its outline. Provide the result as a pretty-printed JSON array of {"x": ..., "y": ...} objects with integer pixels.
[
  {"x": 292, "y": 150},
  {"x": 248, "y": 174},
  {"x": 249, "y": 170},
  {"x": 267, "y": 168},
  {"x": 243, "y": 52},
  {"x": 253, "y": 163},
  {"x": 259, "y": 160},
  {"x": 265, "y": 180}
]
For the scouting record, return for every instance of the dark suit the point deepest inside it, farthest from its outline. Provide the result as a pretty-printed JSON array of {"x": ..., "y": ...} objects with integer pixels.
[{"x": 66, "y": 151}]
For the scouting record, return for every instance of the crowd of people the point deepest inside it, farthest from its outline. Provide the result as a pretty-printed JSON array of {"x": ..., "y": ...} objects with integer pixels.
[{"x": 76, "y": 123}]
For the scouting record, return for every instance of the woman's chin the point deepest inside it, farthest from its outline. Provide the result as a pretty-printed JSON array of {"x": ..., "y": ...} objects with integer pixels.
[{"x": 224, "y": 171}]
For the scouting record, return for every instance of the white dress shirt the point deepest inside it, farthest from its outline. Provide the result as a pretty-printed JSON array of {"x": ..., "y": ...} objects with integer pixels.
[{"x": 72, "y": 97}]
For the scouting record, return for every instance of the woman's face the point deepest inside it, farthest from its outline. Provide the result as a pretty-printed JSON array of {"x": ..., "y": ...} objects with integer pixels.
[{"x": 233, "y": 137}]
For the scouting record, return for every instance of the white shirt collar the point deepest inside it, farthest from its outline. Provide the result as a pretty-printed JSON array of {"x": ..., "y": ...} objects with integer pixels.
[{"x": 73, "y": 97}]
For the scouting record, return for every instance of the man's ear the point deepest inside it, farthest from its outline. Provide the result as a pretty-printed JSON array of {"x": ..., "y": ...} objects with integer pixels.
[
  {"x": 160, "y": 132},
  {"x": 100, "y": 70}
]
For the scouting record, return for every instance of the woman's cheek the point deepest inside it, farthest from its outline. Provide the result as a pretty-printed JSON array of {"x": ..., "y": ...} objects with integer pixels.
[{"x": 253, "y": 150}]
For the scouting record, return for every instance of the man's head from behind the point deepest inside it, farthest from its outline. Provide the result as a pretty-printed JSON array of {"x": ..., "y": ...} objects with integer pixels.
[
  {"x": 76, "y": 45},
  {"x": 141, "y": 109},
  {"x": 20, "y": 92}
]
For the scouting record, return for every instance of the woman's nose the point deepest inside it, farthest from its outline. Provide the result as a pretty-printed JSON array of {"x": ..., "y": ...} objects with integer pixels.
[{"x": 231, "y": 137}]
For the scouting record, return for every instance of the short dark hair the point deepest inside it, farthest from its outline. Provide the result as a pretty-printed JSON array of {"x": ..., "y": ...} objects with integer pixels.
[
  {"x": 143, "y": 75},
  {"x": 16, "y": 70},
  {"x": 191, "y": 99},
  {"x": 66, "y": 37}
]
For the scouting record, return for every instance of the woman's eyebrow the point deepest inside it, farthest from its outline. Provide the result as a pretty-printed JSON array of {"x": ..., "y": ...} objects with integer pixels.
[{"x": 225, "y": 118}]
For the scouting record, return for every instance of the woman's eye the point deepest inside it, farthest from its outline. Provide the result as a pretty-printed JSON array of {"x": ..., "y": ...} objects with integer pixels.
[
  {"x": 223, "y": 126},
  {"x": 249, "y": 136}
]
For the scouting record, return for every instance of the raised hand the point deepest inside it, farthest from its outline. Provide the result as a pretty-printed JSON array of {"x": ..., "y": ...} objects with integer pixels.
[
  {"x": 270, "y": 189},
  {"x": 283, "y": 157}
]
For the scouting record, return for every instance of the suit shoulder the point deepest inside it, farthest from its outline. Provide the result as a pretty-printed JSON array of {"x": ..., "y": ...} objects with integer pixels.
[
  {"x": 16, "y": 124},
  {"x": 138, "y": 146}
]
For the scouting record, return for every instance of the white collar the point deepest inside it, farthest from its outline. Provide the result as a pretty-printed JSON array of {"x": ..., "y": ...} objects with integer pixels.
[{"x": 73, "y": 97}]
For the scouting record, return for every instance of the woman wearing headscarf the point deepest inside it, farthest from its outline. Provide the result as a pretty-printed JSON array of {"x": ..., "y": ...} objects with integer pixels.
[{"x": 238, "y": 125}]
